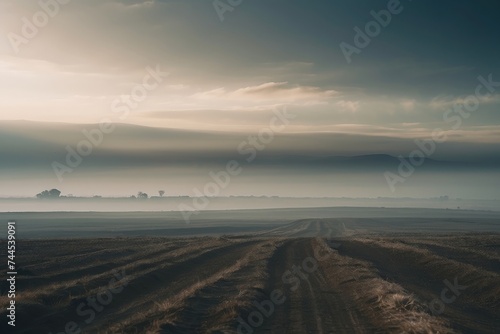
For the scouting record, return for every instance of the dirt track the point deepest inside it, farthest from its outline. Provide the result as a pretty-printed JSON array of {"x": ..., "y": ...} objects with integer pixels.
[{"x": 312, "y": 306}]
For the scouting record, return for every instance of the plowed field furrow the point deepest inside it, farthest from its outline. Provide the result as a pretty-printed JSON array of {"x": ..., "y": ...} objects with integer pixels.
[
  {"x": 312, "y": 304},
  {"x": 289, "y": 279}
]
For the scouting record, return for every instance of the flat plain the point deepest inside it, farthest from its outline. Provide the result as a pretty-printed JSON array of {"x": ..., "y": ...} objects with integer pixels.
[{"x": 368, "y": 274}]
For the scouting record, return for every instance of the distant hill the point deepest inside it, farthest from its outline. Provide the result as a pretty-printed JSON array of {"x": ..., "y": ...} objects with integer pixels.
[{"x": 31, "y": 144}]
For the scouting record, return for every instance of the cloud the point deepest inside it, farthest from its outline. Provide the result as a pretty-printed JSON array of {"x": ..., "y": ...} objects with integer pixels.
[
  {"x": 408, "y": 104},
  {"x": 282, "y": 91},
  {"x": 266, "y": 88},
  {"x": 214, "y": 93},
  {"x": 447, "y": 102},
  {"x": 135, "y": 4},
  {"x": 350, "y": 106},
  {"x": 34, "y": 146},
  {"x": 237, "y": 119}
]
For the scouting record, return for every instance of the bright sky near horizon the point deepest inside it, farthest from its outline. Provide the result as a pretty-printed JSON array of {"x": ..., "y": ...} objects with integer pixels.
[
  {"x": 228, "y": 75},
  {"x": 362, "y": 77}
]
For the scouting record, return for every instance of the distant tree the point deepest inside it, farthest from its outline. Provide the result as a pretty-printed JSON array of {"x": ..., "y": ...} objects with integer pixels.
[
  {"x": 52, "y": 193},
  {"x": 161, "y": 192},
  {"x": 140, "y": 194},
  {"x": 43, "y": 194}
]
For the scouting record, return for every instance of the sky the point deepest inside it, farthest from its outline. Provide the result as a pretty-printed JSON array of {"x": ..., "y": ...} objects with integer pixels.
[{"x": 210, "y": 67}]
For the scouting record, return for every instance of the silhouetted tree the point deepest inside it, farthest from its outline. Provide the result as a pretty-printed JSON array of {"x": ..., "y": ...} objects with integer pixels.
[
  {"x": 140, "y": 194},
  {"x": 52, "y": 193}
]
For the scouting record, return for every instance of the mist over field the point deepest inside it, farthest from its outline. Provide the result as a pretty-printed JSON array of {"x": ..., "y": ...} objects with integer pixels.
[
  {"x": 134, "y": 158},
  {"x": 249, "y": 166}
]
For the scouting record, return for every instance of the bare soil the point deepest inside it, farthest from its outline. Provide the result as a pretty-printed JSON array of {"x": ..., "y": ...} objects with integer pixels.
[{"x": 327, "y": 277}]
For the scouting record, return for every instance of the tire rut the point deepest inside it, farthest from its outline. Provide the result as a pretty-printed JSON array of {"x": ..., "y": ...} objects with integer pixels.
[{"x": 311, "y": 306}]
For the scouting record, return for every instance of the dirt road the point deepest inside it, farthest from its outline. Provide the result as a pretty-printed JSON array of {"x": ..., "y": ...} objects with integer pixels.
[{"x": 312, "y": 304}]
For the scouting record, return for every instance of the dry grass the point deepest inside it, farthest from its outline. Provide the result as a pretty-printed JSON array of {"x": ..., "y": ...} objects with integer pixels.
[
  {"x": 388, "y": 306},
  {"x": 169, "y": 312},
  {"x": 206, "y": 283},
  {"x": 483, "y": 288},
  {"x": 135, "y": 267}
]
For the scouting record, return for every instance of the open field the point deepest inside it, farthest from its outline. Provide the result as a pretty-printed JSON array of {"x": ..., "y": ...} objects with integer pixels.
[
  {"x": 46, "y": 225},
  {"x": 307, "y": 276}
]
